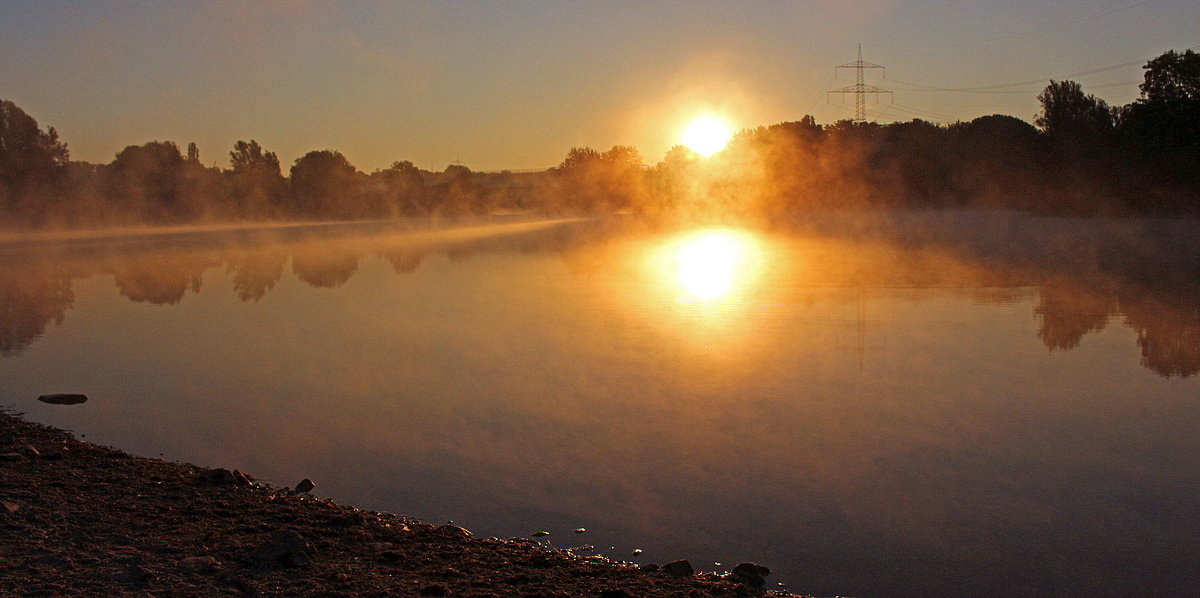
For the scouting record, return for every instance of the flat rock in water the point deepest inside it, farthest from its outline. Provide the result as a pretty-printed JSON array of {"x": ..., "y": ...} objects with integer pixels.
[{"x": 63, "y": 399}]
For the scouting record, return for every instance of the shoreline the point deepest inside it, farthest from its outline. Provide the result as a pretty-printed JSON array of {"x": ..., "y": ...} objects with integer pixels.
[{"x": 79, "y": 519}]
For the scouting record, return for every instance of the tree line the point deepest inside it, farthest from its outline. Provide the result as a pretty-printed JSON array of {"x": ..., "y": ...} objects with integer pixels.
[{"x": 1079, "y": 156}]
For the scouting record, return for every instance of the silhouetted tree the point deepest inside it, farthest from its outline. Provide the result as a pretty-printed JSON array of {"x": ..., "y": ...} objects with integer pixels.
[
  {"x": 325, "y": 185},
  {"x": 997, "y": 160},
  {"x": 579, "y": 159},
  {"x": 248, "y": 156},
  {"x": 193, "y": 152},
  {"x": 1172, "y": 77},
  {"x": 32, "y": 161},
  {"x": 1166, "y": 119},
  {"x": 1068, "y": 112},
  {"x": 403, "y": 188},
  {"x": 456, "y": 194},
  {"x": 457, "y": 172},
  {"x": 144, "y": 181},
  {"x": 605, "y": 181},
  {"x": 258, "y": 185}
]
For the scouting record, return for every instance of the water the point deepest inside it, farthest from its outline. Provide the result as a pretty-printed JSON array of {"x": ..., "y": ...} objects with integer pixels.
[{"x": 888, "y": 405}]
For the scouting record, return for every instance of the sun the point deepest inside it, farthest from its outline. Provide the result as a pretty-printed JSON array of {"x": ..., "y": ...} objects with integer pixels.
[{"x": 706, "y": 136}]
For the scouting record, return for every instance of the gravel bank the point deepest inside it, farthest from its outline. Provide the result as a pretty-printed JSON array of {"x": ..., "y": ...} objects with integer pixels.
[{"x": 77, "y": 519}]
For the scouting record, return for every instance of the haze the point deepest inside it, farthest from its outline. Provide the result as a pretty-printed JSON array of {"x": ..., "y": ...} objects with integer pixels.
[{"x": 513, "y": 85}]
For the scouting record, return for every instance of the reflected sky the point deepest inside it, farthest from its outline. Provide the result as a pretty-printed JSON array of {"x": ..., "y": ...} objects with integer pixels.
[{"x": 865, "y": 412}]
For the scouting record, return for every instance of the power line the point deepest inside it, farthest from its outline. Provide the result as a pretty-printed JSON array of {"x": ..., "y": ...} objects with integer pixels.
[
  {"x": 989, "y": 89},
  {"x": 1018, "y": 33}
]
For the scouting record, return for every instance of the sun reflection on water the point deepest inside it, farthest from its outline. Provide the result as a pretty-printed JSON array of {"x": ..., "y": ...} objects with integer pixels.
[
  {"x": 709, "y": 267},
  {"x": 709, "y": 263}
]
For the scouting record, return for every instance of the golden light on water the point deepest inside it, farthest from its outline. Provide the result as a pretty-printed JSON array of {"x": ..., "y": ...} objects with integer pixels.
[
  {"x": 703, "y": 287},
  {"x": 710, "y": 264},
  {"x": 706, "y": 136}
]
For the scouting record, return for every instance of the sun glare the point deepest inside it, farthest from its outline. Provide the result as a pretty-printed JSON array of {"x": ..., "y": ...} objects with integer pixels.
[
  {"x": 709, "y": 263},
  {"x": 706, "y": 136}
]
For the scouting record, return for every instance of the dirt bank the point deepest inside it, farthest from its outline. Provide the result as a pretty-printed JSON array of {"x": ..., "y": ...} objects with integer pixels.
[{"x": 87, "y": 520}]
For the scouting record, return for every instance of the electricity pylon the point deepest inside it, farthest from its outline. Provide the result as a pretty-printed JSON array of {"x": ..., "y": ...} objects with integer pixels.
[{"x": 860, "y": 89}]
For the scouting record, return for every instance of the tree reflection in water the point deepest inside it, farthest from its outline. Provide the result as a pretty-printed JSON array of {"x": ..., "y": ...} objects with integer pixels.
[{"x": 1084, "y": 280}]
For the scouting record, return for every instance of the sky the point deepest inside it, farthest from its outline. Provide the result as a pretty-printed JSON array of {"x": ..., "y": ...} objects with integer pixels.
[{"x": 515, "y": 85}]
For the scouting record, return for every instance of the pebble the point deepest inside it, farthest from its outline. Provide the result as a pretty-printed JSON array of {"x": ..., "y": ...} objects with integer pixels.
[
  {"x": 305, "y": 485},
  {"x": 580, "y": 530},
  {"x": 539, "y": 534}
]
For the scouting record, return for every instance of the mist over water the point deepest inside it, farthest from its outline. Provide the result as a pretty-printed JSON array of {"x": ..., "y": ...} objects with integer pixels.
[{"x": 895, "y": 403}]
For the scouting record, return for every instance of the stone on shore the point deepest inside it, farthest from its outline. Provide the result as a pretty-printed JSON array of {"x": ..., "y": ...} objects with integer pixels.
[
  {"x": 680, "y": 568},
  {"x": 222, "y": 477},
  {"x": 750, "y": 574}
]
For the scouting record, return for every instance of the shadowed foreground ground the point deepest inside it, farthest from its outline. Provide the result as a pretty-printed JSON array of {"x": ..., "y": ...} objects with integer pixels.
[{"x": 81, "y": 519}]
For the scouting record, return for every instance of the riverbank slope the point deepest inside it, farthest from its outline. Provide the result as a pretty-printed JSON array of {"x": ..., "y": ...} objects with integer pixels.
[{"x": 88, "y": 520}]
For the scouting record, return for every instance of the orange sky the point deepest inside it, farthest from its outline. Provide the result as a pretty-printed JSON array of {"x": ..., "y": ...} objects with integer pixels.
[{"x": 515, "y": 85}]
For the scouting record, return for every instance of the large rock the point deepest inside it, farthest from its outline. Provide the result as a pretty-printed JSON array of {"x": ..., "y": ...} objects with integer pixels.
[
  {"x": 680, "y": 568},
  {"x": 750, "y": 574}
]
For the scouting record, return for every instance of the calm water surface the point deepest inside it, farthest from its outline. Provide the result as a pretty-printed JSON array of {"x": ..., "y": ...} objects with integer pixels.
[{"x": 895, "y": 405}]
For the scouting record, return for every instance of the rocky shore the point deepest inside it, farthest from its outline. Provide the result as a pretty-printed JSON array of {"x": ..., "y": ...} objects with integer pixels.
[{"x": 77, "y": 519}]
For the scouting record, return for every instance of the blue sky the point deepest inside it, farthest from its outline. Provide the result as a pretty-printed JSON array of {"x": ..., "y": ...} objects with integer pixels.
[{"x": 516, "y": 84}]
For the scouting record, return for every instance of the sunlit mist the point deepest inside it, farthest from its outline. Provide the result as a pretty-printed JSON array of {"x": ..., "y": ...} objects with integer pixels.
[
  {"x": 706, "y": 136},
  {"x": 710, "y": 262}
]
